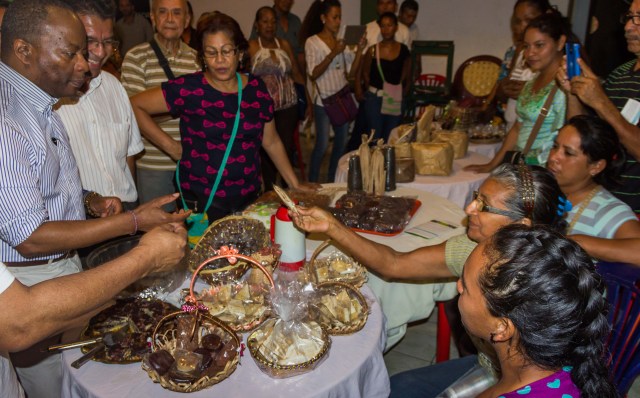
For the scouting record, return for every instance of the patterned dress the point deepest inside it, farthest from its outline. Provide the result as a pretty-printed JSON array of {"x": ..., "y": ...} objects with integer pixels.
[
  {"x": 558, "y": 385},
  {"x": 206, "y": 123}
]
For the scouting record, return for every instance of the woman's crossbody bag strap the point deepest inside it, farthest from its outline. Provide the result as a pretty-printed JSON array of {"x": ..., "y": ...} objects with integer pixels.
[
  {"x": 544, "y": 111},
  {"x": 223, "y": 164}
]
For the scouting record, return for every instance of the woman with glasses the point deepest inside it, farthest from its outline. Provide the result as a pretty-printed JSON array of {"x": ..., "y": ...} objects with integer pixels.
[
  {"x": 272, "y": 59},
  {"x": 586, "y": 159},
  {"x": 209, "y": 107},
  {"x": 329, "y": 63},
  {"x": 511, "y": 194},
  {"x": 536, "y": 298},
  {"x": 544, "y": 41}
]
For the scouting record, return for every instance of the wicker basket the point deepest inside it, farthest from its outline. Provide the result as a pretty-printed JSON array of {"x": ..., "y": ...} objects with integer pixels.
[
  {"x": 164, "y": 335},
  {"x": 283, "y": 371},
  {"x": 335, "y": 327},
  {"x": 356, "y": 278},
  {"x": 235, "y": 231}
]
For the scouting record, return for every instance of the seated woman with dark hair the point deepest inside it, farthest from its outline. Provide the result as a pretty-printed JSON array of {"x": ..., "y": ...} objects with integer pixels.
[
  {"x": 536, "y": 298},
  {"x": 586, "y": 159},
  {"x": 523, "y": 195}
]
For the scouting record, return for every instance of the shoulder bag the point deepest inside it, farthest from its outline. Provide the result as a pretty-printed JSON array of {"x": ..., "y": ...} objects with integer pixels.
[
  {"x": 341, "y": 108},
  {"x": 391, "y": 93},
  {"x": 197, "y": 223},
  {"x": 164, "y": 63},
  {"x": 514, "y": 157}
]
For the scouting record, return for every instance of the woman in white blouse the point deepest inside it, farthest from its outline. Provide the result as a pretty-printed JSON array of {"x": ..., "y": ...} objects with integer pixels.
[{"x": 329, "y": 62}]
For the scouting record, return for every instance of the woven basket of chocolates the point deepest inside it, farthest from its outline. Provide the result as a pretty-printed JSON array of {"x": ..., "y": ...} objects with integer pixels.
[
  {"x": 243, "y": 304},
  {"x": 289, "y": 344},
  {"x": 191, "y": 349},
  {"x": 248, "y": 236},
  {"x": 340, "y": 308},
  {"x": 335, "y": 267},
  {"x": 281, "y": 357}
]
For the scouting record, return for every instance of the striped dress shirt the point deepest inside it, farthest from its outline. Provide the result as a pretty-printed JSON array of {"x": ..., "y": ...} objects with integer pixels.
[
  {"x": 39, "y": 179},
  {"x": 103, "y": 132},
  {"x": 141, "y": 71}
]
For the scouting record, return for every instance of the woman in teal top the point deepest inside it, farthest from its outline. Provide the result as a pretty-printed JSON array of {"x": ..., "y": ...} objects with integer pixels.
[
  {"x": 544, "y": 41},
  {"x": 586, "y": 159}
]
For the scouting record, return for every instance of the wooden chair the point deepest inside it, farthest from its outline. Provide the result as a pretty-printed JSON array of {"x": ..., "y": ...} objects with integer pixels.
[
  {"x": 623, "y": 294},
  {"x": 475, "y": 80}
]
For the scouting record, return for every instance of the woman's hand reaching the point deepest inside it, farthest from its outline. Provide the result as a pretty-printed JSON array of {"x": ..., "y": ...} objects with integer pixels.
[{"x": 312, "y": 219}]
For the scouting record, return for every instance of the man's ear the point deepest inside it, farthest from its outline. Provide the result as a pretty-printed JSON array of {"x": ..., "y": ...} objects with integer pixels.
[{"x": 23, "y": 51}]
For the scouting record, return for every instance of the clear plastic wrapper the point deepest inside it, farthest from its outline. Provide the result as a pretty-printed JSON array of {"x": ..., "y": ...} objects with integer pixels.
[
  {"x": 191, "y": 351},
  {"x": 242, "y": 304},
  {"x": 290, "y": 344}
]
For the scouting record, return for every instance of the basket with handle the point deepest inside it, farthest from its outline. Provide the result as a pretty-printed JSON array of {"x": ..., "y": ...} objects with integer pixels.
[
  {"x": 337, "y": 267},
  {"x": 165, "y": 335},
  {"x": 247, "y": 235}
]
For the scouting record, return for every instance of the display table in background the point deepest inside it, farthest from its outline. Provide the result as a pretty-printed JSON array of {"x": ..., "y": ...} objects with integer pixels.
[
  {"x": 354, "y": 368},
  {"x": 458, "y": 187}
]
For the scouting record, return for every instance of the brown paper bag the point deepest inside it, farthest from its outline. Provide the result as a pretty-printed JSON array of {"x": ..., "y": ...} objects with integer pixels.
[
  {"x": 458, "y": 140},
  {"x": 434, "y": 158},
  {"x": 424, "y": 124}
]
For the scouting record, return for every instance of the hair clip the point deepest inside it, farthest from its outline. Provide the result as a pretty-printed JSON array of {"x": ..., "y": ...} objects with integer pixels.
[
  {"x": 564, "y": 205},
  {"x": 528, "y": 189}
]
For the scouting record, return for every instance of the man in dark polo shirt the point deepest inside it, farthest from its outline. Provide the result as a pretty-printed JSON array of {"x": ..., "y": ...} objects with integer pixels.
[{"x": 617, "y": 101}]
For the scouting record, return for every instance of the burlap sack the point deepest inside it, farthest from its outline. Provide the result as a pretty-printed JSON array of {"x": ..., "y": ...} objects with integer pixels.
[
  {"x": 403, "y": 150},
  {"x": 434, "y": 158},
  {"x": 458, "y": 140},
  {"x": 424, "y": 125}
]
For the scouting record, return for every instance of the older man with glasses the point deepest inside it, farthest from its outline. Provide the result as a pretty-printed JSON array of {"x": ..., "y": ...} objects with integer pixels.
[
  {"x": 615, "y": 101},
  {"x": 103, "y": 132},
  {"x": 147, "y": 66}
]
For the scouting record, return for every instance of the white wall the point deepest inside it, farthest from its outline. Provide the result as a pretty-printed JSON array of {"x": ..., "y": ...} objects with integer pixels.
[{"x": 476, "y": 26}]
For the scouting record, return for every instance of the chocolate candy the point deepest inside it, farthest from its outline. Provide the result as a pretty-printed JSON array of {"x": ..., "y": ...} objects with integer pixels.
[
  {"x": 206, "y": 358},
  {"x": 161, "y": 361},
  {"x": 211, "y": 342}
]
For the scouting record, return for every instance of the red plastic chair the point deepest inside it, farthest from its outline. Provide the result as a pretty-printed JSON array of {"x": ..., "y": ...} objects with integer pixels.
[
  {"x": 623, "y": 343},
  {"x": 429, "y": 82},
  {"x": 443, "y": 335}
]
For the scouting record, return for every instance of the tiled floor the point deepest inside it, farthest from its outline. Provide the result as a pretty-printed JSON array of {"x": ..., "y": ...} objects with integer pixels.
[{"x": 417, "y": 349}]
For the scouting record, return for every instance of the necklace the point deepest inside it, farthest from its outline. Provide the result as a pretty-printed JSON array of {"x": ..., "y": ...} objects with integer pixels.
[{"x": 583, "y": 205}]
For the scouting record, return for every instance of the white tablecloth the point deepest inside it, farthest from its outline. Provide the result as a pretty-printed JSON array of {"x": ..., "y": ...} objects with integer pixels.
[
  {"x": 353, "y": 368},
  {"x": 488, "y": 150},
  {"x": 458, "y": 187},
  {"x": 407, "y": 302}
]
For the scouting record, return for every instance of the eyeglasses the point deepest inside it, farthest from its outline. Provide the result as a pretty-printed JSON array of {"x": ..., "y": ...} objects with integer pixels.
[
  {"x": 483, "y": 207},
  {"x": 93, "y": 44},
  {"x": 226, "y": 52},
  {"x": 635, "y": 19}
]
